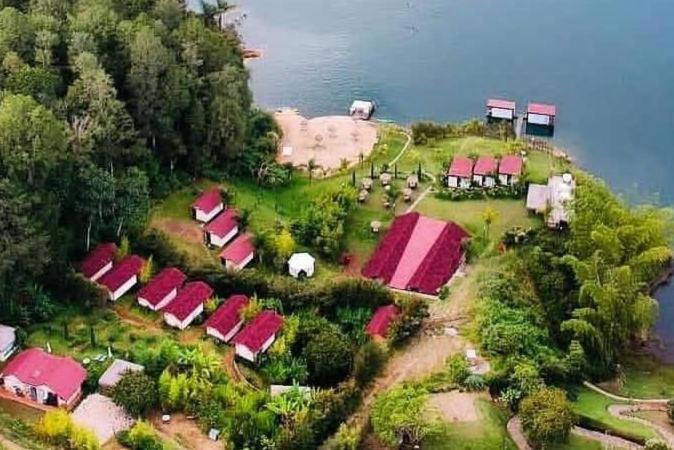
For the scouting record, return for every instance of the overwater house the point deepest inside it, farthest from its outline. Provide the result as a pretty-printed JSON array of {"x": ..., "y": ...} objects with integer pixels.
[
  {"x": 207, "y": 206},
  {"x": 552, "y": 200},
  {"x": 227, "y": 321},
  {"x": 99, "y": 261},
  {"x": 510, "y": 170},
  {"x": 498, "y": 110},
  {"x": 7, "y": 342},
  {"x": 161, "y": 289},
  {"x": 460, "y": 172},
  {"x": 187, "y": 305},
  {"x": 239, "y": 253},
  {"x": 541, "y": 119},
  {"x": 484, "y": 173},
  {"x": 222, "y": 229},
  {"x": 362, "y": 109},
  {"x": 44, "y": 378},
  {"x": 258, "y": 335},
  {"x": 115, "y": 372},
  {"x": 381, "y": 321},
  {"x": 122, "y": 277}
]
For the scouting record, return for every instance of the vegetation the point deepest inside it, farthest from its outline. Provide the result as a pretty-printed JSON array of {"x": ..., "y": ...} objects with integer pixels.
[
  {"x": 397, "y": 416},
  {"x": 546, "y": 416},
  {"x": 136, "y": 392},
  {"x": 56, "y": 428}
]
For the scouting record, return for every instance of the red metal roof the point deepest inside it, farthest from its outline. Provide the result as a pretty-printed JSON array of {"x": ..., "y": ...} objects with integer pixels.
[
  {"x": 485, "y": 165},
  {"x": 122, "y": 272},
  {"x": 224, "y": 223},
  {"x": 384, "y": 261},
  {"x": 381, "y": 320},
  {"x": 501, "y": 104},
  {"x": 36, "y": 367},
  {"x": 98, "y": 258},
  {"x": 256, "y": 333},
  {"x": 161, "y": 285},
  {"x": 208, "y": 201},
  {"x": 542, "y": 108},
  {"x": 228, "y": 315},
  {"x": 188, "y": 299},
  {"x": 239, "y": 250},
  {"x": 461, "y": 167},
  {"x": 510, "y": 165}
]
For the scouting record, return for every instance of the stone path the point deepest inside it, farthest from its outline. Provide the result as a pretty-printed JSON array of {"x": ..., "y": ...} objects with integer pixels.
[{"x": 624, "y": 412}]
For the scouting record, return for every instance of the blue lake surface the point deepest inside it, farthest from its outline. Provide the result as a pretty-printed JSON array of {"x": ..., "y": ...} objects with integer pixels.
[{"x": 608, "y": 65}]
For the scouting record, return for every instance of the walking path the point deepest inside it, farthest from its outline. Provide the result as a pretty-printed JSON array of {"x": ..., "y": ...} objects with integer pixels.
[
  {"x": 619, "y": 398},
  {"x": 5, "y": 443},
  {"x": 404, "y": 149},
  {"x": 624, "y": 412}
]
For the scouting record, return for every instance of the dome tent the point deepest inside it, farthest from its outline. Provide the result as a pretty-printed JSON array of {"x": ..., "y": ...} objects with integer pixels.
[{"x": 301, "y": 264}]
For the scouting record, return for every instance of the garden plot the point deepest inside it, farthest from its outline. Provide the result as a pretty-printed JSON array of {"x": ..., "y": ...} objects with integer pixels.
[{"x": 454, "y": 406}]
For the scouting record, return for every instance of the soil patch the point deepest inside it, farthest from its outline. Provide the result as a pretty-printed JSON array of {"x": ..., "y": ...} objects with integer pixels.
[
  {"x": 454, "y": 406},
  {"x": 188, "y": 231},
  {"x": 185, "y": 432}
]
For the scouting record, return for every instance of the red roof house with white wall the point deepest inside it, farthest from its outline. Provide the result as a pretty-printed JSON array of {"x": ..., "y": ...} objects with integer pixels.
[
  {"x": 161, "y": 289},
  {"x": 99, "y": 261},
  {"x": 239, "y": 253},
  {"x": 222, "y": 229},
  {"x": 187, "y": 305},
  {"x": 44, "y": 378},
  {"x": 258, "y": 335},
  {"x": 227, "y": 321},
  {"x": 510, "y": 169},
  {"x": 207, "y": 206},
  {"x": 122, "y": 277},
  {"x": 460, "y": 172}
]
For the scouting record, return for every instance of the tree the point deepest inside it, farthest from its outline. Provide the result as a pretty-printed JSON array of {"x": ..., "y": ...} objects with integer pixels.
[
  {"x": 94, "y": 197},
  {"x": 328, "y": 356},
  {"x": 546, "y": 416},
  {"x": 284, "y": 246},
  {"x": 311, "y": 166},
  {"x": 398, "y": 416},
  {"x": 132, "y": 200},
  {"x": 136, "y": 392},
  {"x": 489, "y": 215},
  {"x": 16, "y": 33},
  {"x": 369, "y": 359}
]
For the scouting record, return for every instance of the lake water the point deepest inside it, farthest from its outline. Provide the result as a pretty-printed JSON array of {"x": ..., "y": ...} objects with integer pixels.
[{"x": 608, "y": 65}]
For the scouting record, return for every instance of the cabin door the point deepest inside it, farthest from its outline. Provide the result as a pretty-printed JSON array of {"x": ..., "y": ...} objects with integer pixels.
[{"x": 33, "y": 394}]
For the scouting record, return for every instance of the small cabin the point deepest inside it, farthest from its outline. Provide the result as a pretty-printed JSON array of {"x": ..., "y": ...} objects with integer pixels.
[
  {"x": 460, "y": 172},
  {"x": 258, "y": 335},
  {"x": 122, "y": 277},
  {"x": 222, "y": 229},
  {"x": 187, "y": 305},
  {"x": 239, "y": 253},
  {"x": 500, "y": 110},
  {"x": 99, "y": 261},
  {"x": 226, "y": 321},
  {"x": 510, "y": 170},
  {"x": 161, "y": 289},
  {"x": 484, "y": 173},
  {"x": 362, "y": 109},
  {"x": 207, "y": 206},
  {"x": 541, "y": 114}
]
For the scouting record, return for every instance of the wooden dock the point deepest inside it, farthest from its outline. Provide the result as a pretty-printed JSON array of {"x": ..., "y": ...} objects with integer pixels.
[{"x": 520, "y": 126}]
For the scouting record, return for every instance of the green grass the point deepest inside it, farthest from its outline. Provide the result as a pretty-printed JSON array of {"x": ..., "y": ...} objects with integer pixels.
[
  {"x": 577, "y": 443},
  {"x": 488, "y": 433},
  {"x": 594, "y": 406},
  {"x": 468, "y": 213},
  {"x": 644, "y": 377}
]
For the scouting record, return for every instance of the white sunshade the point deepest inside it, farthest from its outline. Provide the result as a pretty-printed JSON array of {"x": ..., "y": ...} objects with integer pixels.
[
  {"x": 501, "y": 113},
  {"x": 301, "y": 262},
  {"x": 538, "y": 119}
]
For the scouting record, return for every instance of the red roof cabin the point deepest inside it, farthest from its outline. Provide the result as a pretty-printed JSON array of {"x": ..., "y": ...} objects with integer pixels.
[
  {"x": 500, "y": 110},
  {"x": 122, "y": 277},
  {"x": 541, "y": 114},
  {"x": 161, "y": 289},
  {"x": 207, "y": 206},
  {"x": 226, "y": 321},
  {"x": 44, "y": 378},
  {"x": 99, "y": 261},
  {"x": 222, "y": 229},
  {"x": 381, "y": 321},
  {"x": 484, "y": 173},
  {"x": 187, "y": 305},
  {"x": 258, "y": 335},
  {"x": 510, "y": 170},
  {"x": 239, "y": 253},
  {"x": 460, "y": 172}
]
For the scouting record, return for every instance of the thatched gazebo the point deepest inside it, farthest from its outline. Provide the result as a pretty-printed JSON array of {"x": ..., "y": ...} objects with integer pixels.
[
  {"x": 413, "y": 181},
  {"x": 366, "y": 183},
  {"x": 362, "y": 195},
  {"x": 375, "y": 226},
  {"x": 407, "y": 194},
  {"x": 385, "y": 178}
]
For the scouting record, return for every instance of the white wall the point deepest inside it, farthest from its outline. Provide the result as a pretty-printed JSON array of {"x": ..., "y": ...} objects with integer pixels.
[
  {"x": 477, "y": 179},
  {"x": 172, "y": 320},
  {"x": 464, "y": 183},
  {"x": 229, "y": 265},
  {"x": 226, "y": 338},
  {"x": 245, "y": 352},
  {"x": 507, "y": 179},
  {"x": 12, "y": 384},
  {"x": 163, "y": 302},
  {"x": 7, "y": 351},
  {"x": 123, "y": 289},
  {"x": 501, "y": 113},
  {"x": 220, "y": 242},
  {"x": 105, "y": 269},
  {"x": 452, "y": 182},
  {"x": 538, "y": 119},
  {"x": 203, "y": 216}
]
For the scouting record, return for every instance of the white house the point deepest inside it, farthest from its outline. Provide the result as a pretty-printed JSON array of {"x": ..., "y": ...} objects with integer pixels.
[
  {"x": 122, "y": 277},
  {"x": 226, "y": 321},
  {"x": 484, "y": 173},
  {"x": 361, "y": 109},
  {"x": 44, "y": 378},
  {"x": 541, "y": 114},
  {"x": 99, "y": 261},
  {"x": 552, "y": 199},
  {"x": 239, "y": 253},
  {"x": 207, "y": 206},
  {"x": 460, "y": 172},
  {"x": 258, "y": 335},
  {"x": 301, "y": 265},
  {"x": 222, "y": 229},
  {"x": 500, "y": 109},
  {"x": 161, "y": 289},
  {"x": 510, "y": 170},
  {"x": 7, "y": 342},
  {"x": 187, "y": 305}
]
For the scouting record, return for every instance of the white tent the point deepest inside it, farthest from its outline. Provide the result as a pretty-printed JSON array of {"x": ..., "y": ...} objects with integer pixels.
[{"x": 301, "y": 263}]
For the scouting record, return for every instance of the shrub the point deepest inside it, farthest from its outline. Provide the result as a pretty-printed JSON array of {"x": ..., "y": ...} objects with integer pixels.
[
  {"x": 457, "y": 368},
  {"x": 670, "y": 409},
  {"x": 346, "y": 438},
  {"x": 413, "y": 312},
  {"x": 328, "y": 356},
  {"x": 474, "y": 383},
  {"x": 56, "y": 428},
  {"x": 368, "y": 361},
  {"x": 546, "y": 416},
  {"x": 656, "y": 444},
  {"x": 141, "y": 437},
  {"x": 398, "y": 416},
  {"x": 136, "y": 392}
]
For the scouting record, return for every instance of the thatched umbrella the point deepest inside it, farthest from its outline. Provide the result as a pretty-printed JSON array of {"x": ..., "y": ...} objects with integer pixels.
[
  {"x": 385, "y": 178},
  {"x": 412, "y": 181},
  {"x": 318, "y": 138},
  {"x": 407, "y": 194},
  {"x": 375, "y": 225},
  {"x": 362, "y": 195},
  {"x": 366, "y": 183}
]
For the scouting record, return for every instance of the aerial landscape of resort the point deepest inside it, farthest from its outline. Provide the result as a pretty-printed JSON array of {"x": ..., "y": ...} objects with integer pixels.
[{"x": 404, "y": 224}]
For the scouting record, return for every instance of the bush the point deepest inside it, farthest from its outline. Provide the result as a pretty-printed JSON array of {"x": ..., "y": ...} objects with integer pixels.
[
  {"x": 413, "y": 312},
  {"x": 457, "y": 368},
  {"x": 546, "y": 416},
  {"x": 140, "y": 437},
  {"x": 398, "y": 416},
  {"x": 368, "y": 361},
  {"x": 328, "y": 356},
  {"x": 56, "y": 428},
  {"x": 474, "y": 383},
  {"x": 346, "y": 438},
  {"x": 656, "y": 444},
  {"x": 136, "y": 392},
  {"x": 670, "y": 409}
]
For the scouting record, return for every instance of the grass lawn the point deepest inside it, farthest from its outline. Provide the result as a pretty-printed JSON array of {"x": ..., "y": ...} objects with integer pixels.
[
  {"x": 468, "y": 213},
  {"x": 644, "y": 377},
  {"x": 577, "y": 443},
  {"x": 488, "y": 433},
  {"x": 594, "y": 406}
]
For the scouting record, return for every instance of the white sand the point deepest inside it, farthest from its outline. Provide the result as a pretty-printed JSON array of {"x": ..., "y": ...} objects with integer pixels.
[{"x": 327, "y": 140}]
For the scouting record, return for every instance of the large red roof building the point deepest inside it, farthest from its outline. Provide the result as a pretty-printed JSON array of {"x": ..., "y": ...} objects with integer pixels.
[
  {"x": 258, "y": 335},
  {"x": 44, "y": 378},
  {"x": 187, "y": 305},
  {"x": 99, "y": 261},
  {"x": 417, "y": 254},
  {"x": 161, "y": 289},
  {"x": 226, "y": 321},
  {"x": 122, "y": 277}
]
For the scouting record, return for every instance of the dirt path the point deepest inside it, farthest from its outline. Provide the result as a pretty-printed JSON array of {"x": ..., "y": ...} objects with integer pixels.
[
  {"x": 515, "y": 432},
  {"x": 9, "y": 445},
  {"x": 404, "y": 149},
  {"x": 619, "y": 398},
  {"x": 624, "y": 412}
]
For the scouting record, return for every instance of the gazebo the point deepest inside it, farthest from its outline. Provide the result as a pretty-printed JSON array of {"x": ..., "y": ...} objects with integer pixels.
[
  {"x": 385, "y": 178},
  {"x": 301, "y": 265}
]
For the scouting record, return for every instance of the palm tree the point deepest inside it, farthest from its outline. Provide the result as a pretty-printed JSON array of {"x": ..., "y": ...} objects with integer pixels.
[{"x": 489, "y": 215}]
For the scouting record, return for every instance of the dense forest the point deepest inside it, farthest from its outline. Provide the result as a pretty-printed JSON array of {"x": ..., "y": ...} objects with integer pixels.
[{"x": 105, "y": 105}]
